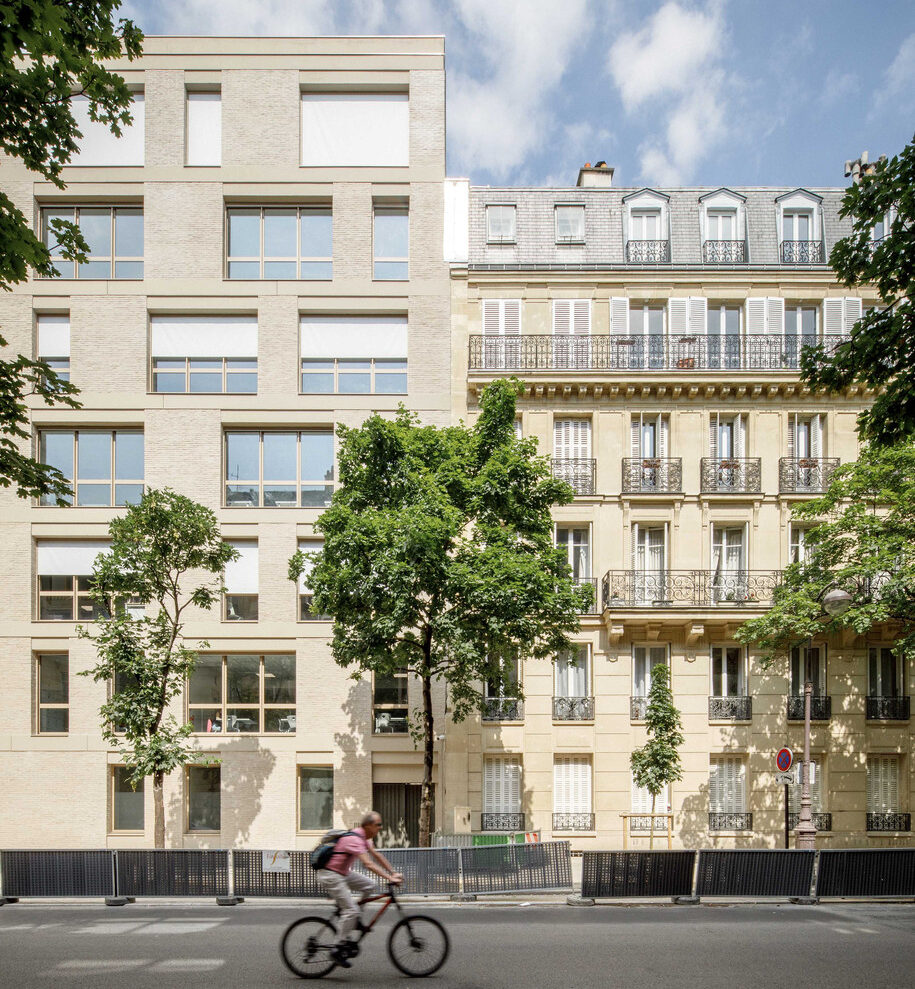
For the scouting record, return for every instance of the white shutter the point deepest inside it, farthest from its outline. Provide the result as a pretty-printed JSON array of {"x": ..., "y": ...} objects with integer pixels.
[
  {"x": 698, "y": 316},
  {"x": 882, "y": 784},
  {"x": 677, "y": 315},
  {"x": 353, "y": 336},
  {"x": 740, "y": 436},
  {"x": 67, "y": 557},
  {"x": 561, "y": 795},
  {"x": 775, "y": 316},
  {"x": 492, "y": 316},
  {"x": 572, "y": 785},
  {"x": 756, "y": 317},
  {"x": 241, "y": 574},
  {"x": 562, "y": 433},
  {"x": 792, "y": 435},
  {"x": 854, "y": 309},
  {"x": 727, "y": 785},
  {"x": 204, "y": 128},
  {"x": 53, "y": 336},
  {"x": 581, "y": 317},
  {"x": 816, "y": 790},
  {"x": 562, "y": 317},
  {"x": 204, "y": 336},
  {"x": 635, "y": 445},
  {"x": 816, "y": 436},
  {"x": 713, "y": 423},
  {"x": 511, "y": 316},
  {"x": 663, "y": 428},
  {"x": 833, "y": 317},
  {"x": 501, "y": 785},
  {"x": 636, "y": 541},
  {"x": 619, "y": 316},
  {"x": 572, "y": 439}
]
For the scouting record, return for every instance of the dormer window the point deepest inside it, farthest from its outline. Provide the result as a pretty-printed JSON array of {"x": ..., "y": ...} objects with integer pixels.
[
  {"x": 800, "y": 228},
  {"x": 645, "y": 227},
  {"x": 645, "y": 224},
  {"x": 500, "y": 224},
  {"x": 570, "y": 224},
  {"x": 722, "y": 222}
]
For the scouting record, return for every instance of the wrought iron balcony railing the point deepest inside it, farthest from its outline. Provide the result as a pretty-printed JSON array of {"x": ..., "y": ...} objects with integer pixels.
[
  {"x": 805, "y": 475},
  {"x": 579, "y": 472},
  {"x": 573, "y": 822},
  {"x": 688, "y": 588},
  {"x": 638, "y": 708},
  {"x": 648, "y": 251},
  {"x": 573, "y": 708},
  {"x": 652, "y": 475},
  {"x": 638, "y": 352},
  {"x": 820, "y": 707},
  {"x": 822, "y": 822},
  {"x": 730, "y": 708},
  {"x": 730, "y": 822},
  {"x": 502, "y": 822},
  {"x": 592, "y": 608},
  {"x": 731, "y": 475},
  {"x": 889, "y": 822},
  {"x": 642, "y": 822},
  {"x": 888, "y": 708},
  {"x": 724, "y": 252},
  {"x": 502, "y": 709},
  {"x": 802, "y": 252}
]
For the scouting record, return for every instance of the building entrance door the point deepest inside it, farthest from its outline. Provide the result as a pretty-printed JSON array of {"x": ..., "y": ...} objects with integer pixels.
[{"x": 398, "y": 804}]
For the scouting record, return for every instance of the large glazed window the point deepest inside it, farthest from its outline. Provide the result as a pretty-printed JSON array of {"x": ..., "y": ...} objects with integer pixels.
[
  {"x": 114, "y": 235},
  {"x": 104, "y": 466},
  {"x": 355, "y": 129},
  {"x": 354, "y": 355},
  {"x": 273, "y": 469},
  {"x": 281, "y": 242},
  {"x": 316, "y": 798},
  {"x": 204, "y": 354},
  {"x": 242, "y": 694}
]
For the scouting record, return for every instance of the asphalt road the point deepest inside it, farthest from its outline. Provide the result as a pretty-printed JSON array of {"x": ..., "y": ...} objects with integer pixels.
[{"x": 733, "y": 947}]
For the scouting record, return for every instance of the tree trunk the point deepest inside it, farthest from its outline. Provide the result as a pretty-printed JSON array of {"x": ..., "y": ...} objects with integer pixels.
[
  {"x": 425, "y": 804},
  {"x": 159, "y": 809},
  {"x": 654, "y": 797}
]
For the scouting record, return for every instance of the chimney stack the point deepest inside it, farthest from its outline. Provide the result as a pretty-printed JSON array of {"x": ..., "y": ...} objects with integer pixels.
[
  {"x": 595, "y": 176},
  {"x": 862, "y": 166}
]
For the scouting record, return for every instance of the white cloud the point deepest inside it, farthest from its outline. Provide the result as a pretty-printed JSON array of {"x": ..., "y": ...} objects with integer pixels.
[
  {"x": 900, "y": 74},
  {"x": 233, "y": 17},
  {"x": 837, "y": 87}
]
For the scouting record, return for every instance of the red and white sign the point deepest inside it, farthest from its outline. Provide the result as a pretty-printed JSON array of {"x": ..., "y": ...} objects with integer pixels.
[{"x": 784, "y": 760}]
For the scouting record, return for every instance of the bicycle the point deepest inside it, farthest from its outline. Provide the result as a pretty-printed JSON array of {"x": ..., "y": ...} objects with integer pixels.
[{"x": 417, "y": 945}]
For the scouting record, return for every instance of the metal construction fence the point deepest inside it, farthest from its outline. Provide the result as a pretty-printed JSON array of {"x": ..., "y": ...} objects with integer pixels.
[
  {"x": 631, "y": 874},
  {"x": 517, "y": 868},
  {"x": 477, "y": 838},
  {"x": 755, "y": 872},
  {"x": 57, "y": 873},
  {"x": 866, "y": 872}
]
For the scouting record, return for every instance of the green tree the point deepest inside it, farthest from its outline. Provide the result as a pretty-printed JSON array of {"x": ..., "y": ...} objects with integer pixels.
[
  {"x": 861, "y": 539},
  {"x": 879, "y": 353},
  {"x": 438, "y": 558},
  {"x": 156, "y": 545},
  {"x": 657, "y": 763},
  {"x": 48, "y": 50}
]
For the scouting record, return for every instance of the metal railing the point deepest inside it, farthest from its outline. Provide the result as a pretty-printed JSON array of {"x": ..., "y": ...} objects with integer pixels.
[
  {"x": 888, "y": 708},
  {"x": 688, "y": 588},
  {"x": 730, "y": 822},
  {"x": 822, "y": 822},
  {"x": 573, "y": 708},
  {"x": 730, "y": 708},
  {"x": 802, "y": 252},
  {"x": 820, "y": 707},
  {"x": 731, "y": 475},
  {"x": 502, "y": 709},
  {"x": 639, "y": 352},
  {"x": 805, "y": 475},
  {"x": 502, "y": 822},
  {"x": 650, "y": 475},
  {"x": 724, "y": 252},
  {"x": 638, "y": 708},
  {"x": 889, "y": 822},
  {"x": 591, "y": 609},
  {"x": 648, "y": 251},
  {"x": 573, "y": 822},
  {"x": 579, "y": 472}
]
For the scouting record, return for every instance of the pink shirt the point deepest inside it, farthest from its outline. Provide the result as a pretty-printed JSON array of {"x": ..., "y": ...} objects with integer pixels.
[{"x": 347, "y": 849}]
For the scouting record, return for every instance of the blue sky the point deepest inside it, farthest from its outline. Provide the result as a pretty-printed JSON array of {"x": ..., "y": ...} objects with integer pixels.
[{"x": 723, "y": 92}]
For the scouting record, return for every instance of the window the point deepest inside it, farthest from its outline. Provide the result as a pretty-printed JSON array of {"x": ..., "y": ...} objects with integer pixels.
[
  {"x": 884, "y": 672},
  {"x": 642, "y": 802},
  {"x": 202, "y": 787},
  {"x": 389, "y": 703},
  {"x": 316, "y": 798},
  {"x": 572, "y": 439},
  {"x": 723, "y": 336},
  {"x": 54, "y": 343},
  {"x": 571, "y": 332},
  {"x": 805, "y": 436},
  {"x": 501, "y": 785},
  {"x": 127, "y": 803},
  {"x": 765, "y": 331},
  {"x": 392, "y": 243},
  {"x": 500, "y": 224},
  {"x": 99, "y": 146},
  {"x": 800, "y": 331},
  {"x": 646, "y": 331},
  {"x": 721, "y": 224},
  {"x": 64, "y": 569},
  {"x": 817, "y": 660},
  {"x": 248, "y": 694},
  {"x": 882, "y": 785},
  {"x": 644, "y": 660},
  {"x": 569, "y": 223},
  {"x": 797, "y": 225},
  {"x": 572, "y": 673},
  {"x": 114, "y": 236},
  {"x": 801, "y": 224},
  {"x": 501, "y": 692},
  {"x": 204, "y": 127},
  {"x": 645, "y": 224},
  {"x": 279, "y": 470},
  {"x": 204, "y": 354},
  {"x": 648, "y": 435},
  {"x": 817, "y": 804},
  {"x": 729, "y": 576},
  {"x": 797, "y": 549},
  {"x": 728, "y": 672},
  {"x": 727, "y": 786},
  {"x": 354, "y": 355},
  {"x": 575, "y": 540},
  {"x": 649, "y": 564},
  {"x": 572, "y": 791},
  {"x": 501, "y": 333},
  {"x": 839, "y": 318},
  {"x": 306, "y": 608},
  {"x": 282, "y": 242},
  {"x": 240, "y": 596},
  {"x": 53, "y": 693},
  {"x": 104, "y": 466},
  {"x": 727, "y": 436},
  {"x": 355, "y": 130}
]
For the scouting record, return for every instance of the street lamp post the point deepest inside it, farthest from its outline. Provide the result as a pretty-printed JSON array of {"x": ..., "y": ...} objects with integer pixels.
[{"x": 835, "y": 603}]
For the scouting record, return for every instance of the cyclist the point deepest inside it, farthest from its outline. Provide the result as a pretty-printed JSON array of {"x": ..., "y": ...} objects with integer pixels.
[{"x": 340, "y": 882}]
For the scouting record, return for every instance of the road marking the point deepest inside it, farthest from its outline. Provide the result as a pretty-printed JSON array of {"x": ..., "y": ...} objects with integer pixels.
[
  {"x": 188, "y": 965},
  {"x": 83, "y": 965},
  {"x": 111, "y": 927},
  {"x": 177, "y": 927}
]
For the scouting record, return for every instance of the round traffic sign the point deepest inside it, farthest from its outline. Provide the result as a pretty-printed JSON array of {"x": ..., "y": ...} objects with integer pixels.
[{"x": 784, "y": 760}]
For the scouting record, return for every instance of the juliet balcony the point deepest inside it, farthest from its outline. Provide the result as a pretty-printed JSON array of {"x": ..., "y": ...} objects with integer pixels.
[
  {"x": 624, "y": 589},
  {"x": 652, "y": 475},
  {"x": 805, "y": 475},
  {"x": 724, "y": 252},
  {"x": 578, "y": 472},
  {"x": 648, "y": 251},
  {"x": 802, "y": 252},
  {"x": 731, "y": 475},
  {"x": 573, "y": 708}
]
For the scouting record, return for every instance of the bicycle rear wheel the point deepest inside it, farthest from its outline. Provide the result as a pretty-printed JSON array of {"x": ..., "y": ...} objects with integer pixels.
[
  {"x": 418, "y": 945},
  {"x": 306, "y": 945}
]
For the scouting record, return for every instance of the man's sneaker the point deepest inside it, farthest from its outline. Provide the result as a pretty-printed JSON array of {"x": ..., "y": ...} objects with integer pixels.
[{"x": 339, "y": 956}]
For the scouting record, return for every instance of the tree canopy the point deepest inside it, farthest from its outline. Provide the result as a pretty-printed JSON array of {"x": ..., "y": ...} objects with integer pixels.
[{"x": 882, "y": 345}]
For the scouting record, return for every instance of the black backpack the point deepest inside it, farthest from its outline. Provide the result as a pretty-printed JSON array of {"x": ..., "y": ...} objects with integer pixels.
[{"x": 325, "y": 848}]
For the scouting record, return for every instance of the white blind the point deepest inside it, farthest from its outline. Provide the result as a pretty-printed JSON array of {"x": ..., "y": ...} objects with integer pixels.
[
  {"x": 355, "y": 129},
  {"x": 241, "y": 574},
  {"x": 882, "y": 784},
  {"x": 765, "y": 315},
  {"x": 572, "y": 439},
  {"x": 572, "y": 316},
  {"x": 204, "y": 128},
  {"x": 204, "y": 336},
  {"x": 53, "y": 336},
  {"x": 727, "y": 785},
  {"x": 840, "y": 315},
  {"x": 816, "y": 790},
  {"x": 572, "y": 784},
  {"x": 619, "y": 316},
  {"x": 502, "y": 785},
  {"x": 502, "y": 316},
  {"x": 641, "y": 800},
  {"x": 98, "y": 146},
  {"x": 67, "y": 557},
  {"x": 354, "y": 336},
  {"x": 308, "y": 546}
]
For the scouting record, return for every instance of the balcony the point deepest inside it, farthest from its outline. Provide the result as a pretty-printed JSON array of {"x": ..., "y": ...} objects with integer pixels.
[
  {"x": 652, "y": 475},
  {"x": 724, "y": 252},
  {"x": 573, "y": 708},
  {"x": 502, "y": 822},
  {"x": 579, "y": 472},
  {"x": 632, "y": 352},
  {"x": 805, "y": 475},
  {"x": 731, "y": 475},
  {"x": 648, "y": 251},
  {"x": 591, "y": 609},
  {"x": 502, "y": 709},
  {"x": 802, "y": 252},
  {"x": 638, "y": 708},
  {"x": 573, "y": 822},
  {"x": 730, "y": 822},
  {"x": 822, "y": 822},
  {"x": 820, "y": 707},
  {"x": 730, "y": 708},
  {"x": 888, "y": 708},
  {"x": 889, "y": 822},
  {"x": 688, "y": 588}
]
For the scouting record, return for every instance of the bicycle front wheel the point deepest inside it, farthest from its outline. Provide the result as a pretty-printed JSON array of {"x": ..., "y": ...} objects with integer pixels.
[
  {"x": 418, "y": 945},
  {"x": 306, "y": 945}
]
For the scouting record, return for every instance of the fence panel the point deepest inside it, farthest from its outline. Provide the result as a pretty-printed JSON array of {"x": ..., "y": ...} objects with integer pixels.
[
  {"x": 866, "y": 872},
  {"x": 251, "y": 880},
  {"x": 517, "y": 868},
  {"x": 57, "y": 873},
  {"x": 472, "y": 839},
  {"x": 755, "y": 872},
  {"x": 425, "y": 870},
  {"x": 173, "y": 872},
  {"x": 620, "y": 874}
]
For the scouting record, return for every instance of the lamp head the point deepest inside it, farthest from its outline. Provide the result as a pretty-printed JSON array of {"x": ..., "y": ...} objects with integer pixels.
[{"x": 836, "y": 602}]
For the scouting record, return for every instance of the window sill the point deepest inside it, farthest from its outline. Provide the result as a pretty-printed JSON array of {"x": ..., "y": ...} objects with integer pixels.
[
  {"x": 204, "y": 834},
  {"x": 570, "y": 243},
  {"x": 569, "y": 721},
  {"x": 126, "y": 834},
  {"x": 501, "y": 243},
  {"x": 881, "y": 834},
  {"x": 579, "y": 834},
  {"x": 50, "y": 734},
  {"x": 730, "y": 721},
  {"x": 723, "y": 834}
]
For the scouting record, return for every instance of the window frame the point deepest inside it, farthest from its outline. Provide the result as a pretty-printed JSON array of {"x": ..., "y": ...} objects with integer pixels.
[
  {"x": 582, "y": 649},
  {"x": 260, "y": 482},
  {"x": 187, "y": 798},
  {"x": 50, "y": 706},
  {"x": 797, "y": 655},
  {"x": 113, "y": 481},
  {"x": 77, "y": 594},
  {"x": 390, "y": 209},
  {"x": 579, "y": 210},
  {"x": 493, "y": 238},
  {"x": 648, "y": 647},
  {"x": 724, "y": 648},
  {"x": 899, "y": 663},
  {"x": 401, "y": 675},
  {"x": 262, "y": 259},
  {"x": 226, "y": 707},
  {"x": 112, "y": 798},
  {"x": 298, "y": 796},
  {"x": 113, "y": 259},
  {"x": 373, "y": 372},
  {"x": 224, "y": 371}
]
